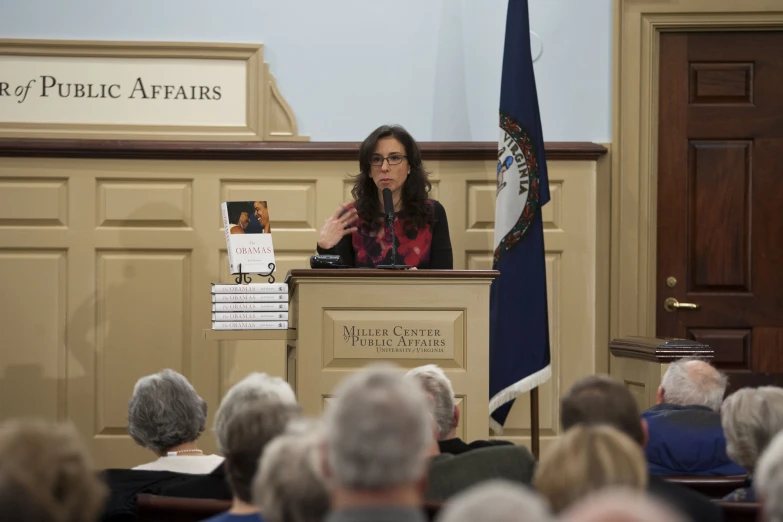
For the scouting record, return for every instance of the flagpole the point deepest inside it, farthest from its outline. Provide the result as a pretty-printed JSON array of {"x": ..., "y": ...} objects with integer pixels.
[{"x": 534, "y": 421}]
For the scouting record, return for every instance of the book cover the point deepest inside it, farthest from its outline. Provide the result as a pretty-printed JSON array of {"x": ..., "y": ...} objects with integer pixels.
[
  {"x": 250, "y": 316},
  {"x": 248, "y": 298},
  {"x": 250, "y": 307},
  {"x": 252, "y": 288},
  {"x": 248, "y": 236},
  {"x": 250, "y": 325}
]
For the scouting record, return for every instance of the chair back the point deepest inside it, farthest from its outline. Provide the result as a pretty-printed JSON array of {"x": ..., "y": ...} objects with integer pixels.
[
  {"x": 739, "y": 511},
  {"x": 710, "y": 486},
  {"x": 155, "y": 508}
]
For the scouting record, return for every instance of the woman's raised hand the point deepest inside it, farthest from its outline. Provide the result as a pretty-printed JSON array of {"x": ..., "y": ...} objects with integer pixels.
[{"x": 337, "y": 225}]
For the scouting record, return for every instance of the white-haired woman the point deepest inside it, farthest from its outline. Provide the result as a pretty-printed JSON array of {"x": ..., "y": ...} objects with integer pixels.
[
  {"x": 167, "y": 416},
  {"x": 750, "y": 417}
]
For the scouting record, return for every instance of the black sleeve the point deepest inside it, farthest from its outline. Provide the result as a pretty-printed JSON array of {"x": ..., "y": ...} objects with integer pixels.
[
  {"x": 344, "y": 249},
  {"x": 441, "y": 256}
]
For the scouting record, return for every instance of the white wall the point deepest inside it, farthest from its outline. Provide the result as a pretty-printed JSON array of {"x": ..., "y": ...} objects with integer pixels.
[{"x": 346, "y": 66}]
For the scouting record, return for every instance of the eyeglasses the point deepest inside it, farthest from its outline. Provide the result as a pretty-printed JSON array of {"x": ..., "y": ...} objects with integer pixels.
[{"x": 394, "y": 159}]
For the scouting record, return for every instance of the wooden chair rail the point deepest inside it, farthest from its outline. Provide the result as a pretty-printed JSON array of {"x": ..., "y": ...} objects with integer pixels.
[{"x": 713, "y": 487}]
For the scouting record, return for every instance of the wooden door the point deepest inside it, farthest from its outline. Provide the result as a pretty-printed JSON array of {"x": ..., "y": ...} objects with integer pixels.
[{"x": 720, "y": 198}]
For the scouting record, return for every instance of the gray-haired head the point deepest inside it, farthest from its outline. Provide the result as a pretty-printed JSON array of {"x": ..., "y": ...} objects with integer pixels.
[
  {"x": 496, "y": 501},
  {"x": 621, "y": 505},
  {"x": 691, "y": 381},
  {"x": 290, "y": 485},
  {"x": 165, "y": 411},
  {"x": 378, "y": 430},
  {"x": 435, "y": 383},
  {"x": 256, "y": 386},
  {"x": 768, "y": 480},
  {"x": 750, "y": 418},
  {"x": 254, "y": 412},
  {"x": 46, "y": 474}
]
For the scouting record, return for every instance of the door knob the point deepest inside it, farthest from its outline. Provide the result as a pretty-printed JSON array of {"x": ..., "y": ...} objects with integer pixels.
[{"x": 672, "y": 305}]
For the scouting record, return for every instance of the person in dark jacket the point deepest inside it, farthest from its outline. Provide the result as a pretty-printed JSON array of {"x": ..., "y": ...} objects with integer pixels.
[
  {"x": 685, "y": 432},
  {"x": 598, "y": 399},
  {"x": 445, "y": 410}
]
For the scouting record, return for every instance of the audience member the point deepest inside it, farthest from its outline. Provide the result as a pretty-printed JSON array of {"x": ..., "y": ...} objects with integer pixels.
[
  {"x": 586, "y": 459},
  {"x": 253, "y": 412},
  {"x": 598, "y": 399},
  {"x": 46, "y": 475},
  {"x": 378, "y": 434},
  {"x": 290, "y": 484},
  {"x": 450, "y": 474},
  {"x": 685, "y": 433},
  {"x": 496, "y": 501},
  {"x": 167, "y": 416},
  {"x": 445, "y": 410},
  {"x": 769, "y": 480},
  {"x": 620, "y": 505},
  {"x": 750, "y": 417}
]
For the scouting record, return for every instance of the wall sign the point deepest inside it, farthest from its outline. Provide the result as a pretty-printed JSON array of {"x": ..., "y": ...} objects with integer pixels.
[{"x": 139, "y": 89}]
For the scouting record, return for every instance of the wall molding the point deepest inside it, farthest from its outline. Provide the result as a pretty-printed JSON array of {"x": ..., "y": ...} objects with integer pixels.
[{"x": 266, "y": 151}]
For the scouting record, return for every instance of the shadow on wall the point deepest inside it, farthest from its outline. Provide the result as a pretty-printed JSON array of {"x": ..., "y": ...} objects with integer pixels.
[{"x": 145, "y": 314}]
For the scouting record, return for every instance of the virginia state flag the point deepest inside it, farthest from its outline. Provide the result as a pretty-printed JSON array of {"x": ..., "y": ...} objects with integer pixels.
[{"x": 519, "y": 330}]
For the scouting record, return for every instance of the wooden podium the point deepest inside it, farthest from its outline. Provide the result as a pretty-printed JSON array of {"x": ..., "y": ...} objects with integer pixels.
[{"x": 346, "y": 319}]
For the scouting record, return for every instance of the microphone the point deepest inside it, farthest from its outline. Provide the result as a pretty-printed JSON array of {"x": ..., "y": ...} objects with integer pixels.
[
  {"x": 388, "y": 204},
  {"x": 388, "y": 212}
]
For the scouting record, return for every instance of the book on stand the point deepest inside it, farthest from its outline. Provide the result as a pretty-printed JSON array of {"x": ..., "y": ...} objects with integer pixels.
[{"x": 248, "y": 236}]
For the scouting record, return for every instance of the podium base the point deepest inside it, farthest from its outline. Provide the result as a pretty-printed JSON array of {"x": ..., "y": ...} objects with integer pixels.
[{"x": 393, "y": 267}]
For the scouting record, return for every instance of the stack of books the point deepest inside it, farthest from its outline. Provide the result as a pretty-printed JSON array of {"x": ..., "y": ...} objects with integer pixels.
[{"x": 257, "y": 306}]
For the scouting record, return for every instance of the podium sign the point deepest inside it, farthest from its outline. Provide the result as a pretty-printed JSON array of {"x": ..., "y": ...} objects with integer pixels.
[{"x": 393, "y": 334}]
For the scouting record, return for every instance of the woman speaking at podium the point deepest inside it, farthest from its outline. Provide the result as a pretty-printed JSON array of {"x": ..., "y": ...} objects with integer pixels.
[{"x": 361, "y": 232}]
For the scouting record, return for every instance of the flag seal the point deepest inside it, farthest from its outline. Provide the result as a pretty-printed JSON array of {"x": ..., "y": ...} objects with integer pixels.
[{"x": 517, "y": 181}]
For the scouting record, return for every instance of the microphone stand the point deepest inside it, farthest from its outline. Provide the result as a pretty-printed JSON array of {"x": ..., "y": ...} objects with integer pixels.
[{"x": 389, "y": 218}]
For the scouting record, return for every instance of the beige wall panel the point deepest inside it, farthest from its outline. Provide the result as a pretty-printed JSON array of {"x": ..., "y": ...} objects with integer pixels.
[
  {"x": 552, "y": 212},
  {"x": 32, "y": 333},
  {"x": 147, "y": 203},
  {"x": 144, "y": 240},
  {"x": 239, "y": 358},
  {"x": 348, "y": 186},
  {"x": 481, "y": 205},
  {"x": 33, "y": 202},
  {"x": 478, "y": 260},
  {"x": 138, "y": 334},
  {"x": 292, "y": 204}
]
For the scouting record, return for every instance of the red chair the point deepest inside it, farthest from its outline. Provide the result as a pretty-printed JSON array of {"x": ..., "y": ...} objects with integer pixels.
[
  {"x": 154, "y": 508},
  {"x": 739, "y": 511}
]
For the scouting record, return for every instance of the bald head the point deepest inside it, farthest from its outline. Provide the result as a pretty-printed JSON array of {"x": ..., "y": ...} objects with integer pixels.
[
  {"x": 620, "y": 505},
  {"x": 690, "y": 382}
]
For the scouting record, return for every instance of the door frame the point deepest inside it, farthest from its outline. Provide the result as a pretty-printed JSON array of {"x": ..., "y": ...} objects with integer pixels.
[{"x": 638, "y": 25}]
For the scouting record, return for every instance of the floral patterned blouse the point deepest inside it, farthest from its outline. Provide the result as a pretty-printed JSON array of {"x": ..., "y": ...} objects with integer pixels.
[{"x": 426, "y": 247}]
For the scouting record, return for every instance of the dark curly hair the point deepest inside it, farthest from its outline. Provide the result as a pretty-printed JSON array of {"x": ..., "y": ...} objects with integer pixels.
[{"x": 415, "y": 190}]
